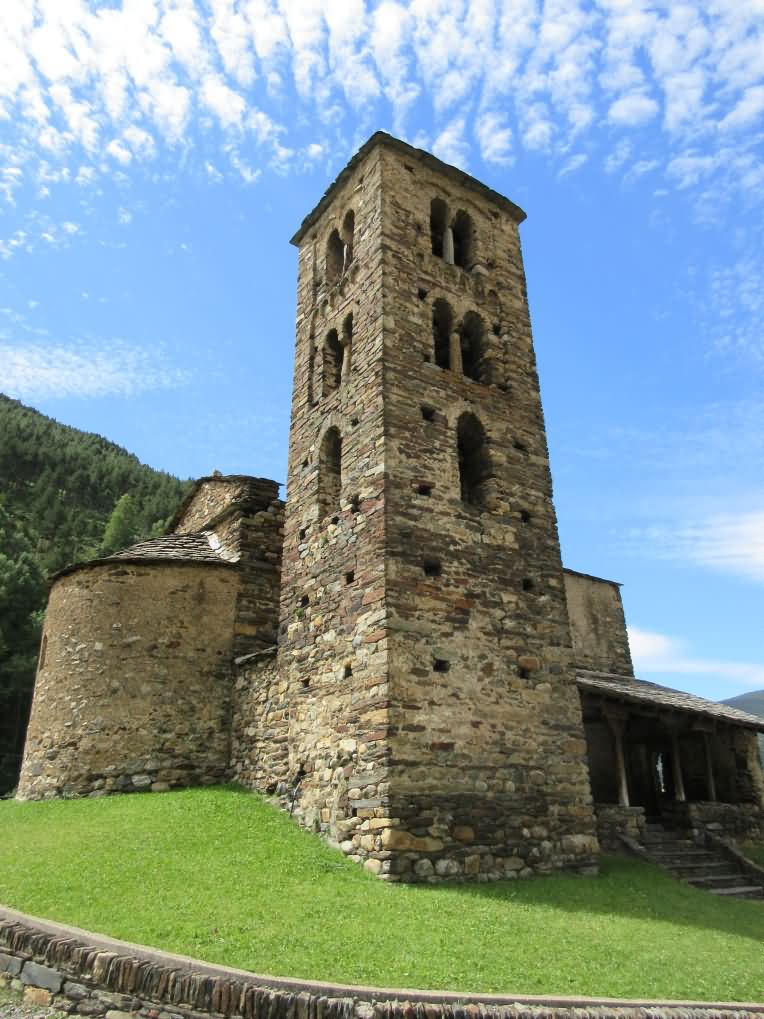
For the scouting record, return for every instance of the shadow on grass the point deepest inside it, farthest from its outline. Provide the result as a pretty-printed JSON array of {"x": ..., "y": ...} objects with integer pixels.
[{"x": 628, "y": 888}]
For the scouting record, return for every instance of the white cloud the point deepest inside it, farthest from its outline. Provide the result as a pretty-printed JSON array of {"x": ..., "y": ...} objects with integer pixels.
[
  {"x": 632, "y": 110},
  {"x": 113, "y": 368},
  {"x": 748, "y": 110},
  {"x": 451, "y": 145},
  {"x": 118, "y": 151},
  {"x": 656, "y": 653},
  {"x": 144, "y": 76},
  {"x": 727, "y": 543},
  {"x": 227, "y": 105},
  {"x": 574, "y": 163},
  {"x": 494, "y": 136}
]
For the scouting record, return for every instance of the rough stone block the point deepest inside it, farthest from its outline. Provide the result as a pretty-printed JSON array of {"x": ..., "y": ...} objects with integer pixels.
[
  {"x": 37, "y": 996},
  {"x": 10, "y": 964},
  {"x": 35, "y": 975}
]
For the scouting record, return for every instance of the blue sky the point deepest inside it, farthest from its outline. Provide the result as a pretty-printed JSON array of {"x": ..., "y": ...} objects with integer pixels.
[{"x": 156, "y": 156}]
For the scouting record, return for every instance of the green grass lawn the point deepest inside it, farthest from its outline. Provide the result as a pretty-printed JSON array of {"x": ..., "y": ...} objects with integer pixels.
[{"x": 222, "y": 876}]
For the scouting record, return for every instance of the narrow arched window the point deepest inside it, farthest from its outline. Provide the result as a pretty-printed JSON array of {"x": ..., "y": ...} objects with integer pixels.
[
  {"x": 472, "y": 343},
  {"x": 463, "y": 241},
  {"x": 474, "y": 462},
  {"x": 348, "y": 232},
  {"x": 438, "y": 223},
  {"x": 335, "y": 257},
  {"x": 347, "y": 344},
  {"x": 442, "y": 322},
  {"x": 330, "y": 472},
  {"x": 332, "y": 366}
]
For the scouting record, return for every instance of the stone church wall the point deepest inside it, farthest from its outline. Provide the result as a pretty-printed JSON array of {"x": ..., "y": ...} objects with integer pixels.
[
  {"x": 597, "y": 624},
  {"x": 133, "y": 687}
]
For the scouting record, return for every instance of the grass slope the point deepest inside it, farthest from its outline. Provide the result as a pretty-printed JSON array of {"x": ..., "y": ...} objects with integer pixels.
[{"x": 220, "y": 875}]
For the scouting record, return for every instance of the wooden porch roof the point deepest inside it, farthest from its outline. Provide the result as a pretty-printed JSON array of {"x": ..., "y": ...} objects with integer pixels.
[{"x": 640, "y": 692}]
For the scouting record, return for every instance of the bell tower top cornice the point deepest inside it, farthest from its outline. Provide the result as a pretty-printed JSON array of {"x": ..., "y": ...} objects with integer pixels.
[{"x": 426, "y": 159}]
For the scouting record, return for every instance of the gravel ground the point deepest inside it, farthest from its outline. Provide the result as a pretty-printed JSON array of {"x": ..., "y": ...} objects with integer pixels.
[{"x": 12, "y": 1007}]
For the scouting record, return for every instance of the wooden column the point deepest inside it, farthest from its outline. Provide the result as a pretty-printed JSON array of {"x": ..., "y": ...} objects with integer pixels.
[
  {"x": 676, "y": 766},
  {"x": 710, "y": 782},
  {"x": 616, "y": 721}
]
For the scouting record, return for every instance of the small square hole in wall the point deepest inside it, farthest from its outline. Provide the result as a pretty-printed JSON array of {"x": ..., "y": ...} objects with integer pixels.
[
  {"x": 304, "y": 464},
  {"x": 497, "y": 329},
  {"x": 350, "y": 576},
  {"x": 354, "y": 422},
  {"x": 441, "y": 665},
  {"x": 525, "y": 516},
  {"x": 421, "y": 293},
  {"x": 302, "y": 532},
  {"x": 426, "y": 358},
  {"x": 528, "y": 584},
  {"x": 424, "y": 489},
  {"x": 335, "y": 520},
  {"x": 432, "y": 567},
  {"x": 428, "y": 413},
  {"x": 305, "y": 601},
  {"x": 306, "y": 682},
  {"x": 520, "y": 445},
  {"x": 524, "y": 673},
  {"x": 347, "y": 671},
  {"x": 355, "y": 503}
]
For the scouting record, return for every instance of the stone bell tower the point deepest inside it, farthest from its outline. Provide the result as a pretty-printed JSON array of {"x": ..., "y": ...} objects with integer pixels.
[{"x": 434, "y": 723}]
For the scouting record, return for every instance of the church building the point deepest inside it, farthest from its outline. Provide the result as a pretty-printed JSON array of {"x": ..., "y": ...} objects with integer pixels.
[{"x": 396, "y": 651}]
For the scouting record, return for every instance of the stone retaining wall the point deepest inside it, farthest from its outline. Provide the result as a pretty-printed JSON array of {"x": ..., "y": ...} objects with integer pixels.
[
  {"x": 615, "y": 821},
  {"x": 88, "y": 975}
]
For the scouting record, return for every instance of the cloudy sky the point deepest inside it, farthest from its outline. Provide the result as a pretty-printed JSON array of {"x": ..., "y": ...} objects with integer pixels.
[{"x": 156, "y": 155}]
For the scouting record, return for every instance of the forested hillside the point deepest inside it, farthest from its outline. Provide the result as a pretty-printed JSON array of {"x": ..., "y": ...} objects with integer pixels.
[{"x": 65, "y": 496}]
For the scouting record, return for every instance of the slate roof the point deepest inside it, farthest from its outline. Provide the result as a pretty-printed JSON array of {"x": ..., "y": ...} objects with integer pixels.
[
  {"x": 193, "y": 547},
  {"x": 639, "y": 691}
]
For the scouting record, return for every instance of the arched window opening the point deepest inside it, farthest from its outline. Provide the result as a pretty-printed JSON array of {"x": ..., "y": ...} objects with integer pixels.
[
  {"x": 463, "y": 241},
  {"x": 348, "y": 231},
  {"x": 335, "y": 257},
  {"x": 332, "y": 375},
  {"x": 472, "y": 343},
  {"x": 438, "y": 223},
  {"x": 474, "y": 462},
  {"x": 347, "y": 344},
  {"x": 442, "y": 322},
  {"x": 330, "y": 472}
]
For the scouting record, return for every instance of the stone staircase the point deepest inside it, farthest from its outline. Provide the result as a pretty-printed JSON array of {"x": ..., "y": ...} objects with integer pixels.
[{"x": 703, "y": 867}]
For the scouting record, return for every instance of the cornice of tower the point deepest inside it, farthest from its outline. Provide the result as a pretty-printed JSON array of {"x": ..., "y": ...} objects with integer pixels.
[{"x": 426, "y": 159}]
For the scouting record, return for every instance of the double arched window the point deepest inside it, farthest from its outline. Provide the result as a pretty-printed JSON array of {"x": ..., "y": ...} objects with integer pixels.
[
  {"x": 452, "y": 238},
  {"x": 339, "y": 249},
  {"x": 461, "y": 347}
]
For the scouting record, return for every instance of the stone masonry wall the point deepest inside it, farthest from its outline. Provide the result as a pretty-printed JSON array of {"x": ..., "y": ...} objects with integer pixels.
[
  {"x": 488, "y": 769},
  {"x": 614, "y": 821},
  {"x": 133, "y": 685},
  {"x": 597, "y": 624},
  {"x": 260, "y": 726},
  {"x": 333, "y": 647},
  {"x": 84, "y": 974}
]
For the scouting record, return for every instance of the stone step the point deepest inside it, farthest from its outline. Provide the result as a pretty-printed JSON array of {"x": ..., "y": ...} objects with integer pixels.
[
  {"x": 740, "y": 891},
  {"x": 716, "y": 882},
  {"x": 710, "y": 868}
]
